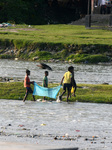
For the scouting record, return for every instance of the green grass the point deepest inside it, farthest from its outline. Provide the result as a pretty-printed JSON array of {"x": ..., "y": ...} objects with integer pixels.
[
  {"x": 66, "y": 34},
  {"x": 88, "y": 58},
  {"x": 85, "y": 92},
  {"x": 63, "y": 42},
  {"x": 95, "y": 93}
]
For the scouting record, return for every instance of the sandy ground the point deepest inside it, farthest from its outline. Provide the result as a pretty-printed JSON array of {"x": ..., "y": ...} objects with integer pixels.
[{"x": 17, "y": 29}]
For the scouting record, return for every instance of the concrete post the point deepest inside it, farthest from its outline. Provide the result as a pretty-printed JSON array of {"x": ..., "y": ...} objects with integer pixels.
[
  {"x": 88, "y": 16},
  {"x": 110, "y": 20},
  {"x": 88, "y": 21},
  {"x": 110, "y": 17}
]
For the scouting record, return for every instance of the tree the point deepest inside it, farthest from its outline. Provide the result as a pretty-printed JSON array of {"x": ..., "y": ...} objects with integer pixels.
[
  {"x": 14, "y": 10},
  {"x": 39, "y": 11}
]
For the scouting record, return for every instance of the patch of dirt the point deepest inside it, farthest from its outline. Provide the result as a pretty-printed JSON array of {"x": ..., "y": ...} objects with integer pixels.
[{"x": 17, "y": 29}]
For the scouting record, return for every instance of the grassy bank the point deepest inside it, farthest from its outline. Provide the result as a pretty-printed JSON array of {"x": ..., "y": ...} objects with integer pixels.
[
  {"x": 85, "y": 92},
  {"x": 65, "y": 34},
  {"x": 59, "y": 42}
]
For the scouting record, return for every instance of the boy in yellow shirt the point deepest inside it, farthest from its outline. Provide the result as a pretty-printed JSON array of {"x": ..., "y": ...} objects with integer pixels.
[{"x": 67, "y": 78}]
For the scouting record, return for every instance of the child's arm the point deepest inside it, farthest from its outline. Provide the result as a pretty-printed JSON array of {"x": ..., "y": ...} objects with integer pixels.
[
  {"x": 62, "y": 80},
  {"x": 45, "y": 83},
  {"x": 32, "y": 82},
  {"x": 29, "y": 82},
  {"x": 72, "y": 82}
]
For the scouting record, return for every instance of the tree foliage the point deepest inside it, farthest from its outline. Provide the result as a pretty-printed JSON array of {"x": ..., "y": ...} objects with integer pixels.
[{"x": 40, "y": 11}]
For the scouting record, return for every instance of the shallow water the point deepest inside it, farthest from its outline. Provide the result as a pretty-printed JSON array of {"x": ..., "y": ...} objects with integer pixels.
[
  {"x": 73, "y": 124},
  {"x": 92, "y": 74}
]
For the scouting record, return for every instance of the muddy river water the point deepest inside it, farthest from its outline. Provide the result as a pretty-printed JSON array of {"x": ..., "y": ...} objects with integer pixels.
[
  {"x": 92, "y": 74},
  {"x": 83, "y": 125}
]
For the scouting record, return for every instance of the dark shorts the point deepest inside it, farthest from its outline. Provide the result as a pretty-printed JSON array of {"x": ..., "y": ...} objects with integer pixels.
[
  {"x": 67, "y": 86},
  {"x": 28, "y": 90}
]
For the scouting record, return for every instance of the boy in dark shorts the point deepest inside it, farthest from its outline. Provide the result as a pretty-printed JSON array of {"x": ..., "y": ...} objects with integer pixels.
[
  {"x": 45, "y": 81},
  {"x": 67, "y": 78},
  {"x": 27, "y": 85}
]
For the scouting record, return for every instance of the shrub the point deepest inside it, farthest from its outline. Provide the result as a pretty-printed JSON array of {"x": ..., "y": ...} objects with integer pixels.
[{"x": 5, "y": 56}]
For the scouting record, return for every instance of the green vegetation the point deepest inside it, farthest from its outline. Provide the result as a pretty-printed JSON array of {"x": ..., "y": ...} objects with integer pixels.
[
  {"x": 5, "y": 56},
  {"x": 84, "y": 93},
  {"x": 94, "y": 93},
  {"x": 87, "y": 58},
  {"x": 22, "y": 36},
  {"x": 63, "y": 42},
  {"x": 41, "y": 11}
]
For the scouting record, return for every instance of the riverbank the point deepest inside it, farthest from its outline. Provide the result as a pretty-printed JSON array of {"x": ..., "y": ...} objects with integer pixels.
[
  {"x": 85, "y": 92},
  {"x": 54, "y": 43}
]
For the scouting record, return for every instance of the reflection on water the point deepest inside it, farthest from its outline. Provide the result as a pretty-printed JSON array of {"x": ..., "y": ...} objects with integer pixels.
[
  {"x": 40, "y": 122},
  {"x": 95, "y": 74}
]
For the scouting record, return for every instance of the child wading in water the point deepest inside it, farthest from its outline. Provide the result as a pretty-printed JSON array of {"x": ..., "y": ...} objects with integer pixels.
[
  {"x": 27, "y": 85},
  {"x": 45, "y": 81},
  {"x": 67, "y": 82}
]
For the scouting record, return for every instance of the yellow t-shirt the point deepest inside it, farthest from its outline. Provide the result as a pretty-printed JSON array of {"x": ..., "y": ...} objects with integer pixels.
[{"x": 67, "y": 77}]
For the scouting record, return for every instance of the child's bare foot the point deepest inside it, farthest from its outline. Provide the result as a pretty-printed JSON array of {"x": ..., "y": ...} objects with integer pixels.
[
  {"x": 43, "y": 100},
  {"x": 60, "y": 98},
  {"x": 74, "y": 95}
]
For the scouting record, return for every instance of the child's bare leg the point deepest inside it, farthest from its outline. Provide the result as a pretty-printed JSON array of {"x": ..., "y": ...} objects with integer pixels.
[
  {"x": 67, "y": 97},
  {"x": 33, "y": 97},
  {"x": 25, "y": 97},
  {"x": 74, "y": 93},
  {"x": 68, "y": 94},
  {"x": 60, "y": 97},
  {"x": 43, "y": 99},
  {"x": 63, "y": 93}
]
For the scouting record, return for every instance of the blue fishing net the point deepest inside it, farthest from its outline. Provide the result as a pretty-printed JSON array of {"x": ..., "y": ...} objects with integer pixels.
[{"x": 43, "y": 91}]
